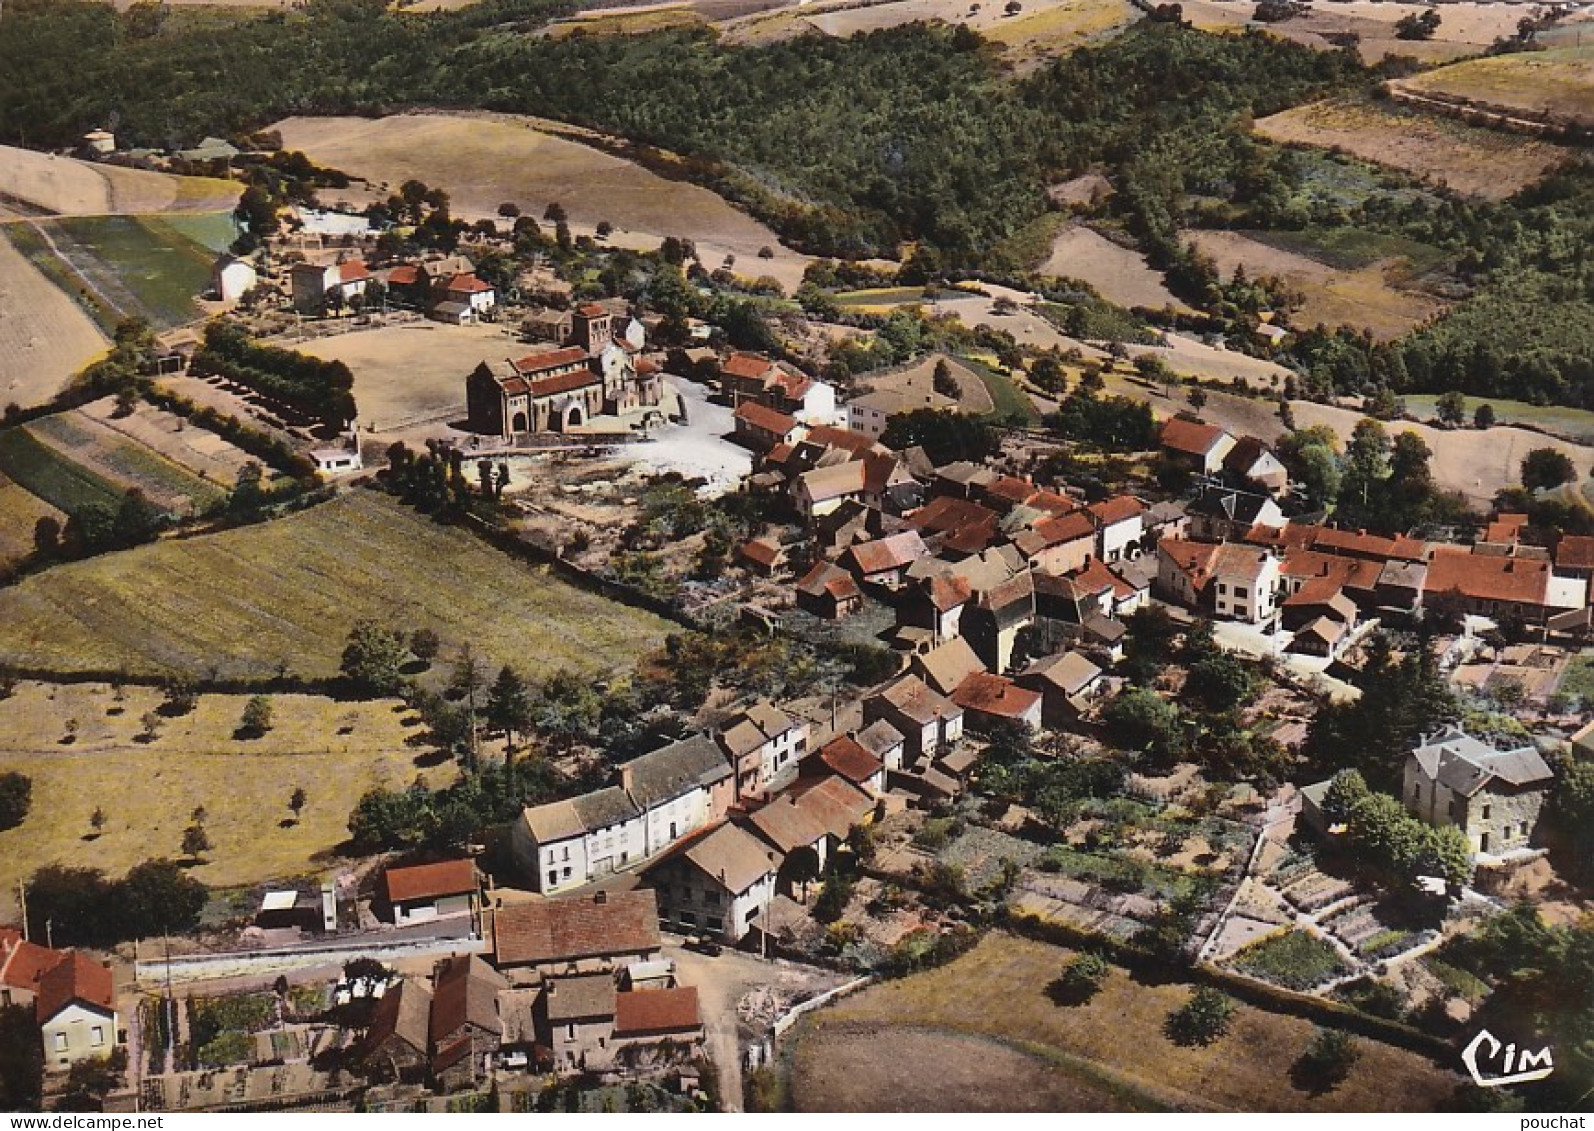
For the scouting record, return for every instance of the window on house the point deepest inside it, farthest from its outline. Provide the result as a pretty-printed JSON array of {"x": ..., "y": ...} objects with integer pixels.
[
  {"x": 673, "y": 833},
  {"x": 712, "y": 898},
  {"x": 1487, "y": 809},
  {"x": 567, "y": 852},
  {"x": 1241, "y": 591},
  {"x": 60, "y": 1042},
  {"x": 1416, "y": 793},
  {"x": 553, "y": 876},
  {"x": 97, "y": 1036},
  {"x": 714, "y": 923},
  {"x": 572, "y": 1032},
  {"x": 567, "y": 871},
  {"x": 688, "y": 919}
]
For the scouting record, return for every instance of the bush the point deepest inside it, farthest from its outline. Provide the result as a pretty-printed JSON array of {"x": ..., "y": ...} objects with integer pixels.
[
  {"x": 1202, "y": 1019},
  {"x": 1327, "y": 1061},
  {"x": 1081, "y": 980},
  {"x": 16, "y": 798}
]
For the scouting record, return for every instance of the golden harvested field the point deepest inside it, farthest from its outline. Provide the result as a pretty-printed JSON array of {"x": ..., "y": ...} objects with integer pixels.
[
  {"x": 1043, "y": 25},
  {"x": 45, "y": 337},
  {"x": 1362, "y": 298},
  {"x": 333, "y": 751},
  {"x": 1559, "y": 82},
  {"x": 1035, "y": 36},
  {"x": 409, "y": 373},
  {"x": 484, "y": 161},
  {"x": 1464, "y": 29},
  {"x": 919, "y": 378},
  {"x": 1112, "y": 1044},
  {"x": 69, "y": 187},
  {"x": 282, "y": 596},
  {"x": 1118, "y": 273},
  {"x": 1470, "y": 159},
  {"x": 1191, "y": 358},
  {"x": 628, "y": 21}
]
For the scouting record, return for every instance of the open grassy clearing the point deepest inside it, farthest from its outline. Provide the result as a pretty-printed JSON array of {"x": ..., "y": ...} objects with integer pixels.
[
  {"x": 1558, "y": 82},
  {"x": 1469, "y": 159},
  {"x": 1007, "y": 399},
  {"x": 1364, "y": 297},
  {"x": 1465, "y": 28},
  {"x": 1117, "y": 1037},
  {"x": 37, "y": 465},
  {"x": 282, "y": 596},
  {"x": 484, "y": 161},
  {"x": 411, "y": 373},
  {"x": 1119, "y": 274},
  {"x": 919, "y": 379},
  {"x": 1573, "y": 423},
  {"x": 622, "y": 21},
  {"x": 334, "y": 751},
  {"x": 66, "y": 186},
  {"x": 203, "y": 453},
  {"x": 92, "y": 443},
  {"x": 215, "y": 231},
  {"x": 1068, "y": 22},
  {"x": 1034, "y": 36},
  {"x": 45, "y": 337}
]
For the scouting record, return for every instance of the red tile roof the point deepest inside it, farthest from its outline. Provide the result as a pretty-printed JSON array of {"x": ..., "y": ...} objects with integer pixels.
[
  {"x": 353, "y": 271},
  {"x": 550, "y": 359},
  {"x": 1119, "y": 508},
  {"x": 23, "y": 963},
  {"x": 747, "y": 365},
  {"x": 591, "y": 310},
  {"x": 1520, "y": 580},
  {"x": 1097, "y": 575},
  {"x": 830, "y": 579},
  {"x": 948, "y": 591},
  {"x": 429, "y": 881},
  {"x": 892, "y": 552},
  {"x": 1575, "y": 551},
  {"x": 562, "y": 930},
  {"x": 946, "y": 513},
  {"x": 844, "y": 438},
  {"x": 563, "y": 383},
  {"x": 404, "y": 275},
  {"x": 74, "y": 979},
  {"x": 1065, "y": 528},
  {"x": 765, "y": 419},
  {"x": 845, "y": 756},
  {"x": 1189, "y": 436},
  {"x": 468, "y": 285},
  {"x": 761, "y": 552},
  {"x": 643, "y": 1013},
  {"x": 995, "y": 695}
]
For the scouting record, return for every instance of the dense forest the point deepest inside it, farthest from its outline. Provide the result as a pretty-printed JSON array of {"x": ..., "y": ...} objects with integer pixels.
[{"x": 917, "y": 135}]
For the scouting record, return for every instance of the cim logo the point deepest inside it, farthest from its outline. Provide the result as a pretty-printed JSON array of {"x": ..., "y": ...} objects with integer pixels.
[{"x": 1517, "y": 1066}]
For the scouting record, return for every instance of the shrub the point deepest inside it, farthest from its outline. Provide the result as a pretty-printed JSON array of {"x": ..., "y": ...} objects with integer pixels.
[
  {"x": 1202, "y": 1019},
  {"x": 16, "y": 798},
  {"x": 1081, "y": 979}
]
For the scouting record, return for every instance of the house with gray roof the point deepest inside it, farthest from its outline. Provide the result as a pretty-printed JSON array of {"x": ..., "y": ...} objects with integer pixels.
[
  {"x": 1493, "y": 796},
  {"x": 679, "y": 789}
]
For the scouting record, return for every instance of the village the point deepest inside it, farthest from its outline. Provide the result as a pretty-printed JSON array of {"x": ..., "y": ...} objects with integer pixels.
[{"x": 1016, "y": 754}]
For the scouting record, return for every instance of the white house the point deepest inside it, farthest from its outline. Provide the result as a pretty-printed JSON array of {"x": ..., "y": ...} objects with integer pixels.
[
  {"x": 761, "y": 742},
  {"x": 76, "y": 1012},
  {"x": 872, "y": 412},
  {"x": 720, "y": 884},
  {"x": 565, "y": 844},
  {"x": 232, "y": 278},
  {"x": 679, "y": 789},
  {"x": 317, "y": 286},
  {"x": 1235, "y": 581},
  {"x": 1119, "y": 526},
  {"x": 818, "y": 404}
]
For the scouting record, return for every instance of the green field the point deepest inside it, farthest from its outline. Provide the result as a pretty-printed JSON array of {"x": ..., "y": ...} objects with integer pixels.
[
  {"x": 121, "y": 266},
  {"x": 30, "y": 462},
  {"x": 123, "y": 462},
  {"x": 1008, "y": 398},
  {"x": 1573, "y": 423},
  {"x": 20, "y": 510},
  {"x": 213, "y": 230},
  {"x": 1351, "y": 249},
  {"x": 282, "y": 596}
]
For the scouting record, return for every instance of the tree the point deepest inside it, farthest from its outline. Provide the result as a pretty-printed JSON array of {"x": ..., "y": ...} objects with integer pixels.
[
  {"x": 1198, "y": 398},
  {"x": 1082, "y": 979},
  {"x": 151, "y": 724},
  {"x": 47, "y": 537},
  {"x": 180, "y": 696},
  {"x": 1544, "y": 468},
  {"x": 159, "y": 896},
  {"x": 1415, "y": 26},
  {"x": 1327, "y": 1061},
  {"x": 801, "y": 867},
  {"x": 21, "y": 1059},
  {"x": 196, "y": 842},
  {"x": 425, "y": 645},
  {"x": 256, "y": 719},
  {"x": 946, "y": 437},
  {"x": 941, "y": 380},
  {"x": 510, "y": 707},
  {"x": 89, "y": 1081},
  {"x": 1220, "y": 682},
  {"x": 137, "y": 520},
  {"x": 1142, "y": 720},
  {"x": 97, "y": 820},
  {"x": 16, "y": 798},
  {"x": 1483, "y": 416},
  {"x": 297, "y": 801},
  {"x": 373, "y": 660},
  {"x": 1202, "y": 1019},
  {"x": 1451, "y": 407}
]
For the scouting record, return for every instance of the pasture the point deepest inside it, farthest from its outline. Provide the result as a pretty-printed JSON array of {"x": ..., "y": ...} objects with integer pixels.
[
  {"x": 258, "y": 601},
  {"x": 405, "y": 374},
  {"x": 1109, "y": 1052},
  {"x": 1364, "y": 297},
  {"x": 485, "y": 161},
  {"x": 20, "y": 510},
  {"x": 1469, "y": 159},
  {"x": 37, "y": 465},
  {"x": 1464, "y": 29},
  {"x": 333, "y": 750},
  {"x": 918, "y": 379},
  {"x": 1575, "y": 424},
  {"x": 65, "y": 186},
  {"x": 45, "y": 337},
  {"x": 124, "y": 266},
  {"x": 1558, "y": 82},
  {"x": 1119, "y": 274},
  {"x": 1033, "y": 36}
]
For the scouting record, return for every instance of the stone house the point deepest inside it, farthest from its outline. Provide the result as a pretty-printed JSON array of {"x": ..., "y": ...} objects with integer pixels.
[
  {"x": 926, "y": 719},
  {"x": 719, "y": 884},
  {"x": 578, "y": 1016},
  {"x": 1493, "y": 796},
  {"x": 1191, "y": 444},
  {"x": 761, "y": 741},
  {"x": 397, "y": 1046},
  {"x": 575, "y": 934},
  {"x": 464, "y": 1028}
]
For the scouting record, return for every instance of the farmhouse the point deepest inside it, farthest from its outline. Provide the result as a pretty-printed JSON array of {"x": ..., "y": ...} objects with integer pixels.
[
  {"x": 848, "y": 759},
  {"x": 884, "y": 560},
  {"x": 1252, "y": 464},
  {"x": 1493, "y": 796},
  {"x": 1119, "y": 526},
  {"x": 579, "y": 1019},
  {"x": 76, "y": 1011},
  {"x": 790, "y": 830},
  {"x": 762, "y": 428},
  {"x": 565, "y": 844},
  {"x": 926, "y": 719},
  {"x": 398, "y": 1044},
  {"x": 232, "y": 278},
  {"x": 1066, "y": 681},
  {"x": 761, "y": 741},
  {"x": 990, "y": 700},
  {"x": 1234, "y": 581},
  {"x": 464, "y": 1030},
  {"x": 650, "y": 1018},
  {"x": 871, "y": 413},
  {"x": 1194, "y": 445},
  {"x": 1490, "y": 585},
  {"x": 718, "y": 884},
  {"x": 679, "y": 789},
  {"x": 430, "y": 891},
  {"x": 576, "y": 934},
  {"x": 22, "y": 964},
  {"x": 317, "y": 287},
  {"x": 829, "y": 592}
]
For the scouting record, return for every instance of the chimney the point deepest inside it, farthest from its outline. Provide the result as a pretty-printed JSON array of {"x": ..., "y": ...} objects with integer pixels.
[{"x": 600, "y": 898}]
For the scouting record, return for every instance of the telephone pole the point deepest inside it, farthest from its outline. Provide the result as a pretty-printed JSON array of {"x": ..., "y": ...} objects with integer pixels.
[{"x": 22, "y": 898}]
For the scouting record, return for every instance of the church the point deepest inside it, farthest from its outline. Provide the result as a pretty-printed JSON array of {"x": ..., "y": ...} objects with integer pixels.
[{"x": 558, "y": 390}]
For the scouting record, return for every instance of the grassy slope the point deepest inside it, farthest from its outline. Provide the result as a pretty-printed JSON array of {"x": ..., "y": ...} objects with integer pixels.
[
  {"x": 243, "y": 602},
  {"x": 1120, "y": 1032},
  {"x": 334, "y": 751}
]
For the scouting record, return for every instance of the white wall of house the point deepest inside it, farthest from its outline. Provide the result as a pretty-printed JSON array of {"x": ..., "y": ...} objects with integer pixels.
[
  {"x": 680, "y": 816},
  {"x": 616, "y": 846},
  {"x": 78, "y": 1032},
  {"x": 1246, "y": 598},
  {"x": 869, "y": 421},
  {"x": 559, "y": 864},
  {"x": 819, "y": 404},
  {"x": 234, "y": 280},
  {"x": 1116, "y": 539}
]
